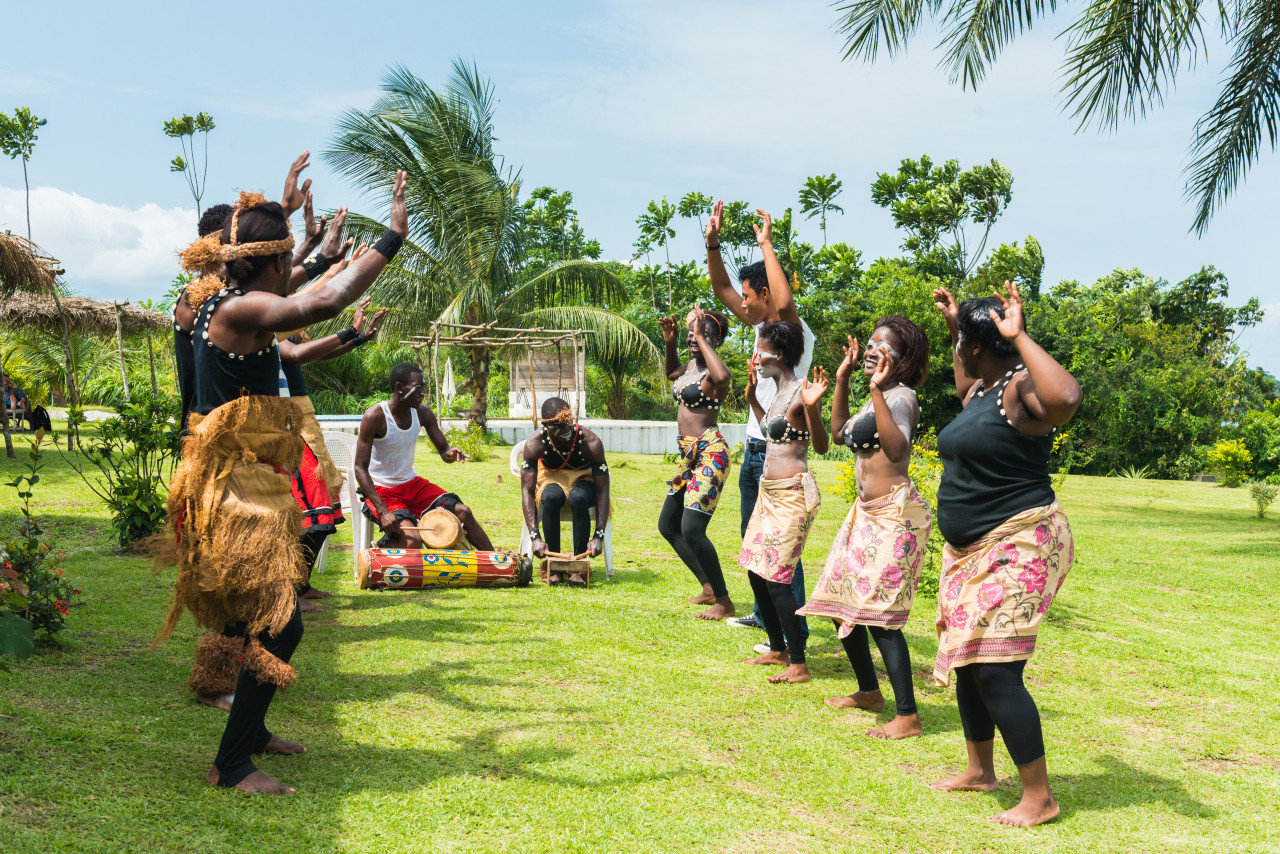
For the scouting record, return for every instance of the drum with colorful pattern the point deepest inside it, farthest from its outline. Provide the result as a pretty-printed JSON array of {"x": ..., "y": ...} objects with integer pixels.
[{"x": 415, "y": 569}]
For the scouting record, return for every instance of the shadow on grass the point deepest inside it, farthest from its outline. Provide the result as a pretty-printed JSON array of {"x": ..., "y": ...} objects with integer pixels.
[{"x": 1118, "y": 786}]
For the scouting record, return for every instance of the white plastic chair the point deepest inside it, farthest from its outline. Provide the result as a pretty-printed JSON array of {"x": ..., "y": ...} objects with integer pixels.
[
  {"x": 342, "y": 450},
  {"x": 566, "y": 515}
]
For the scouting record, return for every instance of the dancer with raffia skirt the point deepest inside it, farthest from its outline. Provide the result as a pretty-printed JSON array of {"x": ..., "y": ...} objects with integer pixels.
[
  {"x": 1009, "y": 545},
  {"x": 789, "y": 499},
  {"x": 869, "y": 581},
  {"x": 699, "y": 387}
]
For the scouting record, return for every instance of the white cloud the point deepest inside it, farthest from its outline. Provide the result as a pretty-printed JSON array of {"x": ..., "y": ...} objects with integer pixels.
[{"x": 107, "y": 250}]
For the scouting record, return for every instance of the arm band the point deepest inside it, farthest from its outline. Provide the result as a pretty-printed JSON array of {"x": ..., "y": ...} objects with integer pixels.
[
  {"x": 388, "y": 244},
  {"x": 346, "y": 336},
  {"x": 316, "y": 266},
  {"x": 360, "y": 340}
]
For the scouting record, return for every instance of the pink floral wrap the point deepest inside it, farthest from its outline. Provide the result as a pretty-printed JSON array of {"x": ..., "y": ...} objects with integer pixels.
[
  {"x": 785, "y": 511},
  {"x": 873, "y": 567},
  {"x": 994, "y": 593}
]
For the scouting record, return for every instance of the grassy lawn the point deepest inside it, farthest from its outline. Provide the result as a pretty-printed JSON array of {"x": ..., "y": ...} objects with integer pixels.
[{"x": 554, "y": 719}]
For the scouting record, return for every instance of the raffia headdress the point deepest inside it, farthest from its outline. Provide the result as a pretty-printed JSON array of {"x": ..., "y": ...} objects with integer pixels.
[{"x": 208, "y": 254}]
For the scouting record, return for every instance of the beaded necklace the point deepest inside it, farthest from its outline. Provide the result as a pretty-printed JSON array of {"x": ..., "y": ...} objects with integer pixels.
[
  {"x": 999, "y": 386},
  {"x": 564, "y": 457}
]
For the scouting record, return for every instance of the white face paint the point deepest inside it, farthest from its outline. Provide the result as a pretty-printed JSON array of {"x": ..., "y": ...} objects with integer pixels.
[{"x": 768, "y": 363}]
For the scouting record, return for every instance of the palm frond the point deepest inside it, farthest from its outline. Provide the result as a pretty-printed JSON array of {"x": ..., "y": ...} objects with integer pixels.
[
  {"x": 865, "y": 24},
  {"x": 615, "y": 336},
  {"x": 1228, "y": 138},
  {"x": 980, "y": 29},
  {"x": 1123, "y": 54},
  {"x": 575, "y": 281}
]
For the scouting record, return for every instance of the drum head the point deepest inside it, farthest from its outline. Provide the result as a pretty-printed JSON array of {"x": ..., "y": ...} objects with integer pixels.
[{"x": 439, "y": 529}]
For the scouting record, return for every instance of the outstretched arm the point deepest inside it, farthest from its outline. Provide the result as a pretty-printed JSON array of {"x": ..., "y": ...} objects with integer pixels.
[
  {"x": 811, "y": 396},
  {"x": 528, "y": 491},
  {"x": 779, "y": 288},
  {"x": 895, "y": 443},
  {"x": 721, "y": 284},
  {"x": 671, "y": 359},
  {"x": 717, "y": 371},
  {"x": 840, "y": 402},
  {"x": 293, "y": 196},
  {"x": 947, "y": 304},
  {"x": 1050, "y": 393},
  {"x": 372, "y": 426}
]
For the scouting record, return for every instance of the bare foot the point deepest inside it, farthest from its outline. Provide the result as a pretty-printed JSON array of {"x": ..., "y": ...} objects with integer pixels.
[
  {"x": 217, "y": 701},
  {"x": 256, "y": 783},
  {"x": 794, "y": 673},
  {"x": 576, "y": 580},
  {"x": 872, "y": 701},
  {"x": 554, "y": 578},
  {"x": 701, "y": 599},
  {"x": 770, "y": 659},
  {"x": 314, "y": 593},
  {"x": 902, "y": 726},
  {"x": 966, "y": 781},
  {"x": 286, "y": 748},
  {"x": 1028, "y": 814},
  {"x": 718, "y": 611},
  {"x": 308, "y": 607}
]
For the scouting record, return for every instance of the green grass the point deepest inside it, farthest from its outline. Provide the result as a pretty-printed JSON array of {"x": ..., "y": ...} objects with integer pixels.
[{"x": 554, "y": 719}]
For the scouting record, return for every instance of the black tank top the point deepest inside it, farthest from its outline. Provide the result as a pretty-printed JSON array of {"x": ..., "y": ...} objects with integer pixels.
[
  {"x": 991, "y": 470},
  {"x": 221, "y": 377},
  {"x": 185, "y": 362}
]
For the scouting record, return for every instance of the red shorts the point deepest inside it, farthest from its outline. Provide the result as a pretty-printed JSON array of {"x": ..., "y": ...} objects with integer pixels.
[
  {"x": 321, "y": 511},
  {"x": 414, "y": 497}
]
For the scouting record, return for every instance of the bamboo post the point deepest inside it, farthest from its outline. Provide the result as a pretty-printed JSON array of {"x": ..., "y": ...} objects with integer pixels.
[
  {"x": 124, "y": 376},
  {"x": 435, "y": 371},
  {"x": 533, "y": 394}
]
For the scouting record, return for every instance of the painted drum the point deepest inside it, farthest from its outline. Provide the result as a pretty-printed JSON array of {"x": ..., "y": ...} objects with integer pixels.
[{"x": 417, "y": 569}]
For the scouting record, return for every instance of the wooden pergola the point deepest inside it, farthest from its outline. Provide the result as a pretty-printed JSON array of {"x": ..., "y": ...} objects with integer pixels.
[{"x": 490, "y": 336}]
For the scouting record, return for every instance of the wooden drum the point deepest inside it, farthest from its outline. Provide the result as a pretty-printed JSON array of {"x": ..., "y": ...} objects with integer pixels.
[{"x": 416, "y": 569}]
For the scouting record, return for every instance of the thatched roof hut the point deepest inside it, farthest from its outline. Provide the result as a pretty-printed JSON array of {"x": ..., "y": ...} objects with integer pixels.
[
  {"x": 84, "y": 316},
  {"x": 24, "y": 267}
]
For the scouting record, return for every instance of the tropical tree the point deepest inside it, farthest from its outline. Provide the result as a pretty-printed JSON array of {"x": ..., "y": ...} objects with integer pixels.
[
  {"x": 18, "y": 139},
  {"x": 184, "y": 129},
  {"x": 655, "y": 229},
  {"x": 935, "y": 204},
  {"x": 817, "y": 198},
  {"x": 695, "y": 205},
  {"x": 1121, "y": 59},
  {"x": 464, "y": 261}
]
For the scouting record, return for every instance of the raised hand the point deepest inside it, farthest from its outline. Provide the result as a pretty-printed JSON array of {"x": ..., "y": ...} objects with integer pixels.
[
  {"x": 763, "y": 235},
  {"x": 850, "y": 359},
  {"x": 811, "y": 392},
  {"x": 753, "y": 379},
  {"x": 946, "y": 303},
  {"x": 332, "y": 246},
  {"x": 357, "y": 319},
  {"x": 714, "y": 223},
  {"x": 1011, "y": 325},
  {"x": 668, "y": 325},
  {"x": 314, "y": 229},
  {"x": 884, "y": 367},
  {"x": 695, "y": 325},
  {"x": 374, "y": 322},
  {"x": 399, "y": 212},
  {"x": 293, "y": 197}
]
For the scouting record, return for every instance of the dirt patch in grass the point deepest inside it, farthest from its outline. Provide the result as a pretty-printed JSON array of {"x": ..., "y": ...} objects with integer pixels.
[{"x": 1236, "y": 764}]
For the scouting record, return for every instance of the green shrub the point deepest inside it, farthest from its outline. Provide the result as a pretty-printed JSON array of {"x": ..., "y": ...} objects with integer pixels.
[
  {"x": 1231, "y": 461},
  {"x": 1263, "y": 494},
  {"x": 134, "y": 452},
  {"x": 471, "y": 441}
]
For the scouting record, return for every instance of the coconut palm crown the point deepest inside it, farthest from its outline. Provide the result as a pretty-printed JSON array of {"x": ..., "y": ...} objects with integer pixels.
[{"x": 464, "y": 261}]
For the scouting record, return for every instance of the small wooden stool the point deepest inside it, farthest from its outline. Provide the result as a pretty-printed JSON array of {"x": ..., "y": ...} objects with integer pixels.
[{"x": 566, "y": 565}]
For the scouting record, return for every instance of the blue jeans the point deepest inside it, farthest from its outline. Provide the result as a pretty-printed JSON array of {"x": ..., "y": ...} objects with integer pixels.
[{"x": 749, "y": 474}]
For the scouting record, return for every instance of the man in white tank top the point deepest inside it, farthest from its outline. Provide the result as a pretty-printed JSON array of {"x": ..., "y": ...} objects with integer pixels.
[{"x": 394, "y": 493}]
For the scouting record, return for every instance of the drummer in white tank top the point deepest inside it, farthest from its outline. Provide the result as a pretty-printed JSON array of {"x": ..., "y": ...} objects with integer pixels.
[{"x": 394, "y": 492}]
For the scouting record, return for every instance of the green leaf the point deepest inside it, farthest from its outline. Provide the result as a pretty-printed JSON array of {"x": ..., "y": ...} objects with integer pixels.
[{"x": 17, "y": 636}]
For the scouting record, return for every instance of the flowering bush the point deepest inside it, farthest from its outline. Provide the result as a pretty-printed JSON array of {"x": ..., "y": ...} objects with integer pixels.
[{"x": 34, "y": 588}]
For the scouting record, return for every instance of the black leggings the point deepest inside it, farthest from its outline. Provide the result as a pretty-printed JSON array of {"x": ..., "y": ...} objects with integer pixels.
[
  {"x": 778, "y": 610},
  {"x": 312, "y": 541},
  {"x": 246, "y": 732},
  {"x": 686, "y": 530},
  {"x": 582, "y": 497},
  {"x": 897, "y": 663},
  {"x": 992, "y": 695}
]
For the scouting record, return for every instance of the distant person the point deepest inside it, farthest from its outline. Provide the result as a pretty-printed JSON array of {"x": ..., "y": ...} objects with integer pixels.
[
  {"x": 764, "y": 296},
  {"x": 1009, "y": 545},
  {"x": 396, "y": 497},
  {"x": 16, "y": 400},
  {"x": 563, "y": 462},
  {"x": 871, "y": 573},
  {"x": 699, "y": 387}
]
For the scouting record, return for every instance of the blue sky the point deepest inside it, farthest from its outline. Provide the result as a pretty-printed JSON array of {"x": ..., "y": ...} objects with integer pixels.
[{"x": 620, "y": 103}]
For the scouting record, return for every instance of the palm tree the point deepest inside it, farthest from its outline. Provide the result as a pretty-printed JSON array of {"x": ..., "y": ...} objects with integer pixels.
[
  {"x": 817, "y": 198},
  {"x": 1121, "y": 59},
  {"x": 464, "y": 261},
  {"x": 655, "y": 228}
]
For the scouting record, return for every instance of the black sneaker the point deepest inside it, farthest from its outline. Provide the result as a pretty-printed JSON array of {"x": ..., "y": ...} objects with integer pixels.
[{"x": 747, "y": 622}]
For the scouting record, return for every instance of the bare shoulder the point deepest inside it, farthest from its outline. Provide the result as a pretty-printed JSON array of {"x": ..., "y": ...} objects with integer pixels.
[
  {"x": 593, "y": 444},
  {"x": 373, "y": 423},
  {"x": 532, "y": 446}
]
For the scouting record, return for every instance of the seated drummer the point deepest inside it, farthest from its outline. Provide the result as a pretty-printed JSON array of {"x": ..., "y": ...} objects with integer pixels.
[
  {"x": 394, "y": 493},
  {"x": 564, "y": 461}
]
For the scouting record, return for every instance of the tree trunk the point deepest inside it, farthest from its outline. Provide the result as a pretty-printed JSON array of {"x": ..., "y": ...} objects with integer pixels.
[
  {"x": 481, "y": 365},
  {"x": 124, "y": 374},
  {"x": 151, "y": 360},
  {"x": 617, "y": 402},
  {"x": 27, "y": 184}
]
